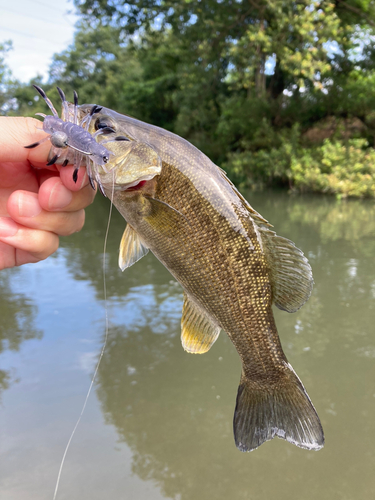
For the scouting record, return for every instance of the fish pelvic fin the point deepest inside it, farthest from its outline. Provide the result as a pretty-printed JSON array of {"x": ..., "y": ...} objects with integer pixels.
[{"x": 284, "y": 410}]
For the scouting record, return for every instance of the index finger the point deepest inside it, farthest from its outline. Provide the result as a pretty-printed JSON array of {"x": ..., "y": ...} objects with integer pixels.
[{"x": 18, "y": 132}]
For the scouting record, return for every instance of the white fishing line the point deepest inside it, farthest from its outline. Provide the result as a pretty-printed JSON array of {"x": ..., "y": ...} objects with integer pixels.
[{"x": 103, "y": 347}]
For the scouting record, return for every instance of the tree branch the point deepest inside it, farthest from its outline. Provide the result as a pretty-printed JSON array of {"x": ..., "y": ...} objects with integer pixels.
[{"x": 356, "y": 11}]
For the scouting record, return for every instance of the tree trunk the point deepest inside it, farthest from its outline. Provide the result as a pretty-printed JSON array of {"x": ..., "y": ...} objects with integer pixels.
[{"x": 260, "y": 77}]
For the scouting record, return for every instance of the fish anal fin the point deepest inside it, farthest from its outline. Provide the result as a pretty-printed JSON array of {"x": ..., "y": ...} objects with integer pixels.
[
  {"x": 198, "y": 332},
  {"x": 131, "y": 248},
  {"x": 285, "y": 410},
  {"x": 290, "y": 272}
]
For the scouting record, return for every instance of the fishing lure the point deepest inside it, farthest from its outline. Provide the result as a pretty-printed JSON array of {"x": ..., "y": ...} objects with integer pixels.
[{"x": 68, "y": 133}]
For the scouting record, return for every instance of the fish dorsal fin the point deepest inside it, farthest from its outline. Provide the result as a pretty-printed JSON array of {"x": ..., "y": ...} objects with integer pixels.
[
  {"x": 198, "y": 332},
  {"x": 254, "y": 214},
  {"x": 131, "y": 248},
  {"x": 290, "y": 271}
]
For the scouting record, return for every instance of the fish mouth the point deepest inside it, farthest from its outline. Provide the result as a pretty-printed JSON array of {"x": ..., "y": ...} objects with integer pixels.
[
  {"x": 128, "y": 186},
  {"x": 136, "y": 186}
]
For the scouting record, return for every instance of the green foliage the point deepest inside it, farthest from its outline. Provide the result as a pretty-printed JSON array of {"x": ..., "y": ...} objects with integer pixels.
[
  {"x": 269, "y": 164},
  {"x": 7, "y": 84},
  {"x": 234, "y": 38},
  {"x": 346, "y": 170},
  {"x": 136, "y": 79},
  {"x": 336, "y": 168},
  {"x": 258, "y": 86}
]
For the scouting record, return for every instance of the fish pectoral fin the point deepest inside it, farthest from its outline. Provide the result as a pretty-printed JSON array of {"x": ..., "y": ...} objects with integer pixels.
[
  {"x": 163, "y": 217},
  {"x": 264, "y": 411},
  {"x": 131, "y": 248},
  {"x": 290, "y": 272},
  {"x": 198, "y": 332}
]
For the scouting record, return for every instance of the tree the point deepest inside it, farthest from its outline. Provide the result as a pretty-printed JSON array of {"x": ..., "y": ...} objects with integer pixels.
[
  {"x": 250, "y": 82},
  {"x": 6, "y": 82},
  {"x": 235, "y": 37}
]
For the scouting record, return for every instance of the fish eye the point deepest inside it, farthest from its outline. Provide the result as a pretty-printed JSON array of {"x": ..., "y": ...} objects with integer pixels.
[{"x": 101, "y": 123}]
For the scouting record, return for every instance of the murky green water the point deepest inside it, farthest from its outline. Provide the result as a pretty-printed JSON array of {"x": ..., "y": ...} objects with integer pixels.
[{"x": 158, "y": 423}]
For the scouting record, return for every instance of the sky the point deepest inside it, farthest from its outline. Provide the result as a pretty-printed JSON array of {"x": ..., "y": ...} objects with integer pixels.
[{"x": 38, "y": 29}]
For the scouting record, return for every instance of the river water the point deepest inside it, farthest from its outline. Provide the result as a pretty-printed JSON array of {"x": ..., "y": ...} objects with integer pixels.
[{"x": 158, "y": 423}]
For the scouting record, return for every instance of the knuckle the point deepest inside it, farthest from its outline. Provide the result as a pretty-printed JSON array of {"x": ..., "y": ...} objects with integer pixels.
[
  {"x": 92, "y": 194},
  {"x": 54, "y": 245},
  {"x": 46, "y": 245},
  {"x": 81, "y": 221},
  {"x": 72, "y": 223}
]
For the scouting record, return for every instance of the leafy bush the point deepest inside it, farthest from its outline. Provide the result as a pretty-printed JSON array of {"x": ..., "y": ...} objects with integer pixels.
[
  {"x": 336, "y": 168},
  {"x": 267, "y": 165}
]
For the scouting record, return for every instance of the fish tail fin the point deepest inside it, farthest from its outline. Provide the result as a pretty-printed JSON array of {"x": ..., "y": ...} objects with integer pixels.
[{"x": 284, "y": 410}]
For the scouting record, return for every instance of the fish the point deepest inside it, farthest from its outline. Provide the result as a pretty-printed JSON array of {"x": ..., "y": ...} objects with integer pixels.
[{"x": 231, "y": 265}]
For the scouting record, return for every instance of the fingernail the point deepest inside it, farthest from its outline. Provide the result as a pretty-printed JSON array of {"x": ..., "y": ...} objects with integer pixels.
[
  {"x": 7, "y": 227},
  {"x": 60, "y": 197},
  {"x": 84, "y": 179},
  {"x": 28, "y": 205}
]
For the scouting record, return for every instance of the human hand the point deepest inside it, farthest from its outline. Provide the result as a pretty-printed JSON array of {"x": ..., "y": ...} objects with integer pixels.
[{"x": 37, "y": 203}]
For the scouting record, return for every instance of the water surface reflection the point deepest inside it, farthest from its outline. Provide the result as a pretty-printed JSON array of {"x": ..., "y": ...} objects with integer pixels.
[
  {"x": 161, "y": 425},
  {"x": 17, "y": 322}
]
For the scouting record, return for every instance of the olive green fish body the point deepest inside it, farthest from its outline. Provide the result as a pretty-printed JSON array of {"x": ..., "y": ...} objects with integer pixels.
[
  {"x": 223, "y": 271},
  {"x": 231, "y": 266}
]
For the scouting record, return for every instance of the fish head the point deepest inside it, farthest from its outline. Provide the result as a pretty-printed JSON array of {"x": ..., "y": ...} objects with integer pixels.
[{"x": 131, "y": 163}]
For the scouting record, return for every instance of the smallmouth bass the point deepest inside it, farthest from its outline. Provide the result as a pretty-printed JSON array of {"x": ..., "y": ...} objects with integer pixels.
[{"x": 231, "y": 265}]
